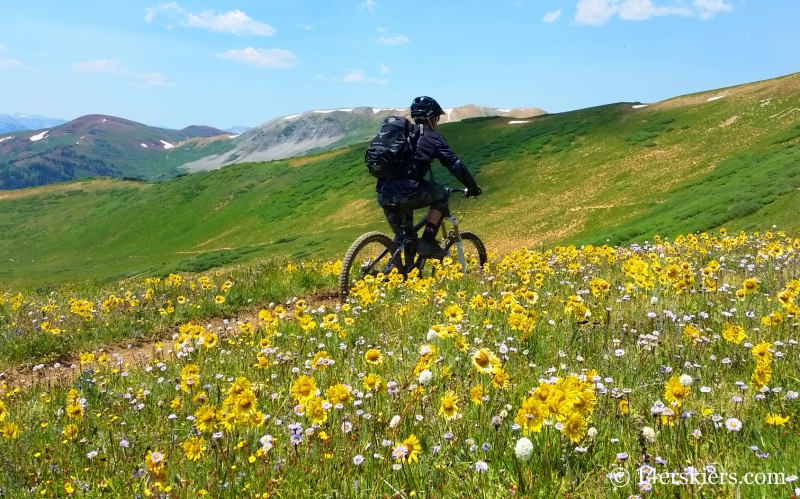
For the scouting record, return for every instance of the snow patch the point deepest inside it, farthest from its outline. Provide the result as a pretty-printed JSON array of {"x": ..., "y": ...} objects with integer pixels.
[
  {"x": 104, "y": 120},
  {"x": 144, "y": 145},
  {"x": 639, "y": 106},
  {"x": 167, "y": 145},
  {"x": 326, "y": 111},
  {"x": 39, "y": 136},
  {"x": 6, "y": 138},
  {"x": 291, "y": 116},
  {"x": 233, "y": 136},
  {"x": 517, "y": 122},
  {"x": 714, "y": 98},
  {"x": 504, "y": 110}
]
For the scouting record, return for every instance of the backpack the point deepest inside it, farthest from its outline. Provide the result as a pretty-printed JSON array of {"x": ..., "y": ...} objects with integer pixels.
[{"x": 391, "y": 149}]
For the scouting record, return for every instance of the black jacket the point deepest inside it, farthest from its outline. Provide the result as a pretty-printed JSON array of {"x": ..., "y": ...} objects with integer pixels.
[{"x": 428, "y": 145}]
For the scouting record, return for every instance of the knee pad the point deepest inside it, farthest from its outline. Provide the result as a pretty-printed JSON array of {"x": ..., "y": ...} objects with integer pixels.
[{"x": 442, "y": 206}]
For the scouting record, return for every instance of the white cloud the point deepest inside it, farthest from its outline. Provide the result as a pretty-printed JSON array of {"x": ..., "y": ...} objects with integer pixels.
[
  {"x": 152, "y": 79},
  {"x": 269, "y": 58},
  {"x": 108, "y": 66},
  {"x": 552, "y": 17},
  {"x": 356, "y": 76},
  {"x": 384, "y": 69},
  {"x": 10, "y": 64},
  {"x": 369, "y": 5},
  {"x": 235, "y": 21},
  {"x": 304, "y": 26},
  {"x": 706, "y": 9},
  {"x": 392, "y": 40},
  {"x": 360, "y": 76},
  {"x": 115, "y": 68},
  {"x": 639, "y": 10},
  {"x": 594, "y": 12},
  {"x": 598, "y": 12},
  {"x": 151, "y": 12}
]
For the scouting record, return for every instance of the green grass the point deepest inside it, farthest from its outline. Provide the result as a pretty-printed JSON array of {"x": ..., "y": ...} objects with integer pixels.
[
  {"x": 256, "y": 283},
  {"x": 736, "y": 189},
  {"x": 605, "y": 173}
]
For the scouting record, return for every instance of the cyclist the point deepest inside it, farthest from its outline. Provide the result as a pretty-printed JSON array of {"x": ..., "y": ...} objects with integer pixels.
[{"x": 408, "y": 189}]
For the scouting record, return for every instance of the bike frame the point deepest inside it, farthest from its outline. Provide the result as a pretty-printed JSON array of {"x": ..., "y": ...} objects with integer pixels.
[{"x": 409, "y": 250}]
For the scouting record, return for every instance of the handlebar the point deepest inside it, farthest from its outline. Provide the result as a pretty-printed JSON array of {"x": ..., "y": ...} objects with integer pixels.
[{"x": 451, "y": 190}]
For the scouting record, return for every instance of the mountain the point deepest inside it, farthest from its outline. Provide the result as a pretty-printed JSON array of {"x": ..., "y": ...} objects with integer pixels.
[
  {"x": 98, "y": 145},
  {"x": 315, "y": 131},
  {"x": 194, "y": 131},
  {"x": 472, "y": 111},
  {"x": 611, "y": 174},
  {"x": 15, "y": 122},
  {"x": 237, "y": 130},
  {"x": 115, "y": 147}
]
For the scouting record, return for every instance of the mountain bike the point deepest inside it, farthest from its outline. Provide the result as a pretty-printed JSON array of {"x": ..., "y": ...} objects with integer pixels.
[{"x": 376, "y": 253}]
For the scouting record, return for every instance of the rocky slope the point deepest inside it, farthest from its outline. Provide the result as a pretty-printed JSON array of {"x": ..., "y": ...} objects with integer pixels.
[{"x": 314, "y": 131}]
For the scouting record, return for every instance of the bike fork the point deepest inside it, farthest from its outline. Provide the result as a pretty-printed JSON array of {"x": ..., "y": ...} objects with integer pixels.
[{"x": 459, "y": 245}]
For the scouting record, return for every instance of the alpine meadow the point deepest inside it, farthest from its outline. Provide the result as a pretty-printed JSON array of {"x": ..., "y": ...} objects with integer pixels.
[{"x": 634, "y": 332}]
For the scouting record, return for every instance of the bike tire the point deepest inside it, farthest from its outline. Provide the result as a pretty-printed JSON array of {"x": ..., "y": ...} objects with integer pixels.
[
  {"x": 352, "y": 271},
  {"x": 472, "y": 245}
]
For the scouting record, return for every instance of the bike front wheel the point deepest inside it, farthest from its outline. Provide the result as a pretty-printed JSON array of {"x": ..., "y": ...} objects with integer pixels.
[
  {"x": 474, "y": 250},
  {"x": 370, "y": 254}
]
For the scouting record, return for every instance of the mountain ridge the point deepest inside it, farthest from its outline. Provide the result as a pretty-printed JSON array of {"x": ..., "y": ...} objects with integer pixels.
[
  {"x": 111, "y": 146},
  {"x": 318, "y": 130},
  {"x": 92, "y": 145},
  {"x": 609, "y": 174},
  {"x": 16, "y": 122}
]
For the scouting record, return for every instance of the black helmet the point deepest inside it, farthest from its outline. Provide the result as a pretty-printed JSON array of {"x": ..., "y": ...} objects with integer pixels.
[{"x": 425, "y": 107}]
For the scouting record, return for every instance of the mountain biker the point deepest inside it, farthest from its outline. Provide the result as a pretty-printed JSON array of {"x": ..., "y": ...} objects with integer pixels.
[{"x": 408, "y": 190}]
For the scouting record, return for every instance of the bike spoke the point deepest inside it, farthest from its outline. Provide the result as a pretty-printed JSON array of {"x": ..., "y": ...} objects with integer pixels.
[{"x": 373, "y": 259}]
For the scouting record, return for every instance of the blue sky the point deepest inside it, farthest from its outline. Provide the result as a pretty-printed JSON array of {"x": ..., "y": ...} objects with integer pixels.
[{"x": 243, "y": 62}]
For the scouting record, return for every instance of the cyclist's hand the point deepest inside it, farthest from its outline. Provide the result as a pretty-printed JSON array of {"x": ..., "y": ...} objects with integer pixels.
[{"x": 474, "y": 191}]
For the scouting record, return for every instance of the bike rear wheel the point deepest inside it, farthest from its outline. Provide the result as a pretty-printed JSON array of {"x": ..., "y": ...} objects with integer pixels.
[
  {"x": 474, "y": 250},
  {"x": 370, "y": 254}
]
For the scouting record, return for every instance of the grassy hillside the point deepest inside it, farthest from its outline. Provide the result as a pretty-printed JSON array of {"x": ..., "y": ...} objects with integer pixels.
[{"x": 617, "y": 173}]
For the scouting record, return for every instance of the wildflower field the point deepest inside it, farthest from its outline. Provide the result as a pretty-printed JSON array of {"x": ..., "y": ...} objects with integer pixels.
[{"x": 582, "y": 372}]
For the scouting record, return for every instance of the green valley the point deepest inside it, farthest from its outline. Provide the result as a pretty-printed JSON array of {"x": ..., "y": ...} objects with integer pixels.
[{"x": 616, "y": 173}]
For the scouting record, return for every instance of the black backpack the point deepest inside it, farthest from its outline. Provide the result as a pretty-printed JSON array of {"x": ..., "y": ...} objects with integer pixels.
[{"x": 391, "y": 149}]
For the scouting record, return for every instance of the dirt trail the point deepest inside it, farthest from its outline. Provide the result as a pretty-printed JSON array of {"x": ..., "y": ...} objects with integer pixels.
[{"x": 126, "y": 355}]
